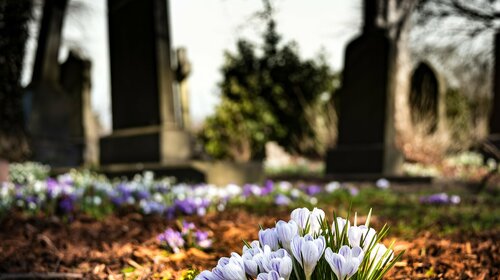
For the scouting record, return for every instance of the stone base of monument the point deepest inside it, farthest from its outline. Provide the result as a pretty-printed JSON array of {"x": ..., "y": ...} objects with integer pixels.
[
  {"x": 146, "y": 144},
  {"x": 183, "y": 171},
  {"x": 363, "y": 160},
  {"x": 219, "y": 173}
]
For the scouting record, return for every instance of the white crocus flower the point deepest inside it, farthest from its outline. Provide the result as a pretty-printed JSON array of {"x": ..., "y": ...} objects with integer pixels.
[
  {"x": 383, "y": 183},
  {"x": 279, "y": 261},
  {"x": 341, "y": 224},
  {"x": 273, "y": 275},
  {"x": 307, "y": 251},
  {"x": 252, "y": 259},
  {"x": 206, "y": 275},
  {"x": 230, "y": 268},
  {"x": 332, "y": 186},
  {"x": 379, "y": 255},
  {"x": 346, "y": 263},
  {"x": 361, "y": 236},
  {"x": 269, "y": 237},
  {"x": 286, "y": 232},
  {"x": 303, "y": 217}
]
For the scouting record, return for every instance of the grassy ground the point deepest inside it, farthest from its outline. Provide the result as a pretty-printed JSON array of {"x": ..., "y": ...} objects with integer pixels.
[
  {"x": 401, "y": 208},
  {"x": 441, "y": 241}
]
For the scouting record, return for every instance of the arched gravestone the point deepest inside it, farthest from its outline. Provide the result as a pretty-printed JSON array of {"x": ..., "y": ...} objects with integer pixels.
[{"x": 424, "y": 98}]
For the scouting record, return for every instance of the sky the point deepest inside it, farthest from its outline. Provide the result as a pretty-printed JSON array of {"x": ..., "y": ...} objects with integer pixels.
[{"x": 207, "y": 28}]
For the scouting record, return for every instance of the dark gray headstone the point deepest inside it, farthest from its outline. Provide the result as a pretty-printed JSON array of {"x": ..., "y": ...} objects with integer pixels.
[
  {"x": 14, "y": 21},
  {"x": 145, "y": 125},
  {"x": 424, "y": 98},
  {"x": 366, "y": 112},
  {"x": 75, "y": 79},
  {"x": 49, "y": 107},
  {"x": 494, "y": 121}
]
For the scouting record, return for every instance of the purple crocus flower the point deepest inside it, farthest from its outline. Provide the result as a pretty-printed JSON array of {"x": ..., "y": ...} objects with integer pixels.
[
  {"x": 281, "y": 199},
  {"x": 143, "y": 194},
  {"x": 313, "y": 190},
  {"x": 53, "y": 188},
  {"x": 186, "y": 206},
  {"x": 202, "y": 239},
  {"x": 31, "y": 199},
  {"x": 170, "y": 213},
  {"x": 353, "y": 191},
  {"x": 267, "y": 188},
  {"x": 172, "y": 238},
  {"x": 247, "y": 190},
  {"x": 67, "y": 204},
  {"x": 152, "y": 207},
  {"x": 440, "y": 198},
  {"x": 187, "y": 226}
]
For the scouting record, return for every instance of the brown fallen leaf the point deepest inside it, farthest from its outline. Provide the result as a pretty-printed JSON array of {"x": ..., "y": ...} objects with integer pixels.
[
  {"x": 178, "y": 256},
  {"x": 199, "y": 254}
]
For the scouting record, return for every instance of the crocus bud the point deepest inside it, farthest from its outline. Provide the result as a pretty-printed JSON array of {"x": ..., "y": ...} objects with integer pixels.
[
  {"x": 307, "y": 251},
  {"x": 279, "y": 261},
  {"x": 269, "y": 237},
  {"x": 304, "y": 218},
  {"x": 361, "y": 236},
  {"x": 346, "y": 263},
  {"x": 286, "y": 231}
]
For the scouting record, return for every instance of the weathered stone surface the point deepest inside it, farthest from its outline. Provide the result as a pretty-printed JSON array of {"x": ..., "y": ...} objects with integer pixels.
[
  {"x": 366, "y": 116},
  {"x": 494, "y": 122},
  {"x": 14, "y": 20},
  {"x": 146, "y": 127},
  {"x": 48, "y": 106},
  {"x": 182, "y": 73}
]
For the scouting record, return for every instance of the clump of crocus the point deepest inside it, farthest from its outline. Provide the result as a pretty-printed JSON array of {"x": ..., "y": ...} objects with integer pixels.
[
  {"x": 440, "y": 198},
  {"x": 186, "y": 237},
  {"x": 310, "y": 247}
]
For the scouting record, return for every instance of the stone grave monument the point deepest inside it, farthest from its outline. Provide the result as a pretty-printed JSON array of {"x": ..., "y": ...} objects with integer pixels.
[
  {"x": 47, "y": 105},
  {"x": 366, "y": 132},
  {"x": 146, "y": 128},
  {"x": 493, "y": 149}
]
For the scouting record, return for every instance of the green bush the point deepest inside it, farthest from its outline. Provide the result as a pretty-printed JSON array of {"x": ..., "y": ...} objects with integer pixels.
[{"x": 269, "y": 93}]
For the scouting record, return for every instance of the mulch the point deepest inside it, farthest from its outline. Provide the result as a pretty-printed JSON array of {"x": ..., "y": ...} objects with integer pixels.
[{"x": 94, "y": 249}]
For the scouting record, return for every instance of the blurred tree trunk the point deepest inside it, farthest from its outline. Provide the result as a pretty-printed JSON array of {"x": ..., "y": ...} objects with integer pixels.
[{"x": 14, "y": 18}]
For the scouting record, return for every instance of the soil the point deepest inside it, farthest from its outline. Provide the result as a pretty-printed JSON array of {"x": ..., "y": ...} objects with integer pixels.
[{"x": 94, "y": 249}]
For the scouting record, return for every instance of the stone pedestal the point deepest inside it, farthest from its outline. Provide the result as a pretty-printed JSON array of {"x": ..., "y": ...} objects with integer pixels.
[{"x": 145, "y": 126}]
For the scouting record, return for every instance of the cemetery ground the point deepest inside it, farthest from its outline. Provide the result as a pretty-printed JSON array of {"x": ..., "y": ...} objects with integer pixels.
[{"x": 442, "y": 240}]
